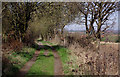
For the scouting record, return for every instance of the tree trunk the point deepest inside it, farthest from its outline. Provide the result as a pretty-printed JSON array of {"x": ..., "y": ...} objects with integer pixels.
[
  {"x": 62, "y": 30},
  {"x": 98, "y": 45},
  {"x": 86, "y": 25},
  {"x": 42, "y": 38},
  {"x": 99, "y": 36}
]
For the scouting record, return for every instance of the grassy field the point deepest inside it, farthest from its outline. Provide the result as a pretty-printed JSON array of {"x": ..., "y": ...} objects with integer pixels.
[
  {"x": 17, "y": 60},
  {"x": 111, "y": 38},
  {"x": 64, "y": 54}
]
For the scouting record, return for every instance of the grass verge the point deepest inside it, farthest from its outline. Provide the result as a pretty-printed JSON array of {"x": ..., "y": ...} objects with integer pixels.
[
  {"x": 17, "y": 60},
  {"x": 64, "y": 55}
]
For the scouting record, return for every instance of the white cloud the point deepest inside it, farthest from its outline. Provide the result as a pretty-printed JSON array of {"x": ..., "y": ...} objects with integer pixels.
[{"x": 74, "y": 26}]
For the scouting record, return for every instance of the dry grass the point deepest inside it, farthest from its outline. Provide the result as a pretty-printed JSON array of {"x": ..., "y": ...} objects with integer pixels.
[{"x": 88, "y": 62}]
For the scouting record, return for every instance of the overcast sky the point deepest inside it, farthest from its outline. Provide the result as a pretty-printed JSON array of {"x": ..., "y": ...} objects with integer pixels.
[{"x": 75, "y": 26}]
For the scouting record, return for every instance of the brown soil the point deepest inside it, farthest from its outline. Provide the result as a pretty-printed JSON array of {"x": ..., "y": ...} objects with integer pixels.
[
  {"x": 27, "y": 66},
  {"x": 57, "y": 64},
  {"x": 46, "y": 53}
]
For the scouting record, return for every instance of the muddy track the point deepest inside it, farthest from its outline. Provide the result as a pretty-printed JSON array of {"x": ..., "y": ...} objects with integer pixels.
[
  {"x": 23, "y": 71},
  {"x": 46, "y": 53},
  {"x": 58, "y": 70}
]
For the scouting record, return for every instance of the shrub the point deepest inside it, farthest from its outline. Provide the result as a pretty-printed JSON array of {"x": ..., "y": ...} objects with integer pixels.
[{"x": 81, "y": 40}]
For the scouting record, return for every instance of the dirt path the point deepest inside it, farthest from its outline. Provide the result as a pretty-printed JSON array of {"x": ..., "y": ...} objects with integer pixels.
[
  {"x": 57, "y": 64},
  {"x": 23, "y": 71},
  {"x": 46, "y": 53}
]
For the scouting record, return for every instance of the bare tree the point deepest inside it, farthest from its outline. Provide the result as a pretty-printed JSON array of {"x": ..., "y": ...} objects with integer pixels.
[{"x": 95, "y": 16}]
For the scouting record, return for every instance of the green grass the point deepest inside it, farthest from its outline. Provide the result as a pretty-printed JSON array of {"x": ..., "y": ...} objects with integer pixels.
[
  {"x": 64, "y": 55},
  {"x": 43, "y": 65},
  {"x": 111, "y": 38},
  {"x": 63, "y": 52},
  {"x": 44, "y": 42},
  {"x": 18, "y": 59}
]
